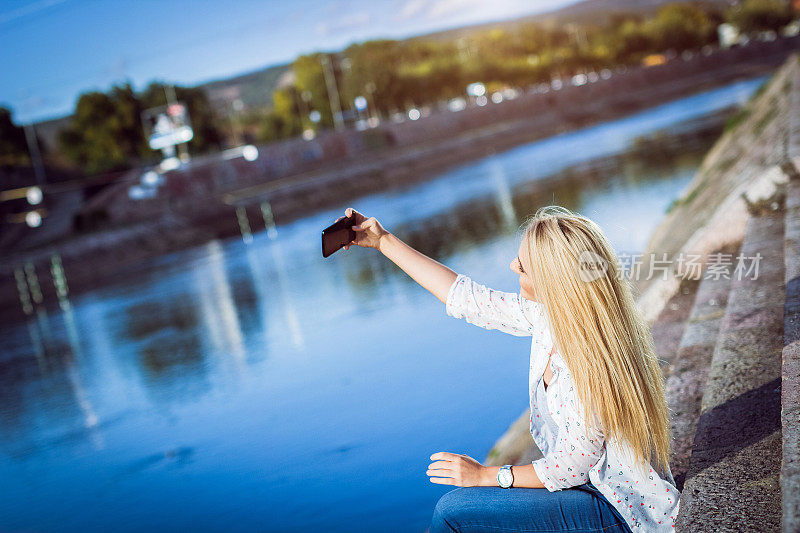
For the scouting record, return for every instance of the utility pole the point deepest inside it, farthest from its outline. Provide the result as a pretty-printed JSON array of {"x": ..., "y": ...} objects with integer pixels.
[
  {"x": 237, "y": 130},
  {"x": 333, "y": 92},
  {"x": 36, "y": 156},
  {"x": 302, "y": 107},
  {"x": 370, "y": 88},
  {"x": 169, "y": 91}
]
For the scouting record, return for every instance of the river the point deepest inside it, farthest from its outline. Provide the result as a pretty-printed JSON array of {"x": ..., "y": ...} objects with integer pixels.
[{"x": 259, "y": 386}]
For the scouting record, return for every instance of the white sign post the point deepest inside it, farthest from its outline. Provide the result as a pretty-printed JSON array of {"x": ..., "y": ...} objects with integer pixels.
[{"x": 166, "y": 127}]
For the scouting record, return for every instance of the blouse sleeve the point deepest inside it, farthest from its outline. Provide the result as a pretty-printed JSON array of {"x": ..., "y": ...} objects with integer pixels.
[
  {"x": 576, "y": 451},
  {"x": 491, "y": 309}
]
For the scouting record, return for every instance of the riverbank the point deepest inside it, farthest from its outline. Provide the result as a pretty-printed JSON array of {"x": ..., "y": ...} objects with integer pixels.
[
  {"x": 201, "y": 204},
  {"x": 732, "y": 396}
]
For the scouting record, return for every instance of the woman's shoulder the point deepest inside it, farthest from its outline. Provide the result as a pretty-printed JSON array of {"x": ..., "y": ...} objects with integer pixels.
[{"x": 531, "y": 305}]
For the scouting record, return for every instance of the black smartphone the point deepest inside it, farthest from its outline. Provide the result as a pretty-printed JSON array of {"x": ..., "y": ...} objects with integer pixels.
[{"x": 337, "y": 235}]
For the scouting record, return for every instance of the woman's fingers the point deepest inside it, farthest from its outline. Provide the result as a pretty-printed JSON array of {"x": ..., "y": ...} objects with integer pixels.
[
  {"x": 354, "y": 242},
  {"x": 441, "y": 475},
  {"x": 358, "y": 216},
  {"x": 441, "y": 468},
  {"x": 366, "y": 230},
  {"x": 445, "y": 456},
  {"x": 368, "y": 223}
]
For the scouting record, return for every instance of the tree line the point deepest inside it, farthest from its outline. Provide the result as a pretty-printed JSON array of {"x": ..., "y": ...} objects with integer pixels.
[{"x": 395, "y": 75}]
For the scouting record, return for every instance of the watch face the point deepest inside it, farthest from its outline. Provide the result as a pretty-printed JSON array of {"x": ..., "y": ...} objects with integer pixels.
[{"x": 505, "y": 477}]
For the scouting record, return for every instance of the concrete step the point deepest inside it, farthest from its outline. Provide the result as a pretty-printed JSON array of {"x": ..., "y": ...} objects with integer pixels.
[
  {"x": 790, "y": 373},
  {"x": 668, "y": 329},
  {"x": 687, "y": 376},
  {"x": 793, "y": 138},
  {"x": 733, "y": 479}
]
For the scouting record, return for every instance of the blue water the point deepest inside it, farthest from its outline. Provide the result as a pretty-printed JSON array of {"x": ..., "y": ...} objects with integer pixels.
[{"x": 261, "y": 387}]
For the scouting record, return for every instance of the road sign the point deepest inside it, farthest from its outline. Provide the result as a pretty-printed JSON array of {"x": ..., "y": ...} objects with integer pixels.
[{"x": 167, "y": 126}]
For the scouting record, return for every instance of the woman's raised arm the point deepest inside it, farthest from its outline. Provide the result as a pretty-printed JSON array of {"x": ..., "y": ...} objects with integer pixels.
[
  {"x": 431, "y": 274},
  {"x": 463, "y": 298}
]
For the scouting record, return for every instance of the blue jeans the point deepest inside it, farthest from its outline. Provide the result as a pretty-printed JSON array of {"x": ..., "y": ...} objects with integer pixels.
[{"x": 494, "y": 509}]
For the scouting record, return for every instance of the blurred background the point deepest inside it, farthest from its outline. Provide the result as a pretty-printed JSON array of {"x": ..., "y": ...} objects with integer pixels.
[{"x": 174, "y": 351}]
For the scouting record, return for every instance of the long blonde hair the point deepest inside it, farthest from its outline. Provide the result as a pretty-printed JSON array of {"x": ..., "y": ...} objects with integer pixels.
[{"x": 601, "y": 335}]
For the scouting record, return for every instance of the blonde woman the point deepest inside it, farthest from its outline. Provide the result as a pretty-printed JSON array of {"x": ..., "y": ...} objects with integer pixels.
[{"x": 591, "y": 354}]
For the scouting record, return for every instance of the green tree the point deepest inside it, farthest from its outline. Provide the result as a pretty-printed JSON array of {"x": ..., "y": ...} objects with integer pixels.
[
  {"x": 285, "y": 106},
  {"x": 631, "y": 42},
  {"x": 374, "y": 73},
  {"x": 616, "y": 20},
  {"x": 680, "y": 26},
  {"x": 271, "y": 128},
  {"x": 309, "y": 77},
  {"x": 760, "y": 15},
  {"x": 105, "y": 131}
]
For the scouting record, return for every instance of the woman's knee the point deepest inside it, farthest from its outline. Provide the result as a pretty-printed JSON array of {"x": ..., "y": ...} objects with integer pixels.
[
  {"x": 449, "y": 502},
  {"x": 446, "y": 512}
]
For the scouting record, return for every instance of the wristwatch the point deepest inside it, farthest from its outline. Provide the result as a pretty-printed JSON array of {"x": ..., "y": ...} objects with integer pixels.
[{"x": 505, "y": 478}]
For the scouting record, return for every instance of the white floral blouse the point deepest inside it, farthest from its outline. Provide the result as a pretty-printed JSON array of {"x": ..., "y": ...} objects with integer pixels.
[{"x": 646, "y": 500}]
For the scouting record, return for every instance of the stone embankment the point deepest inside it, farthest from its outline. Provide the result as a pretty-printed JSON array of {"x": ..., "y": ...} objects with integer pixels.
[{"x": 727, "y": 329}]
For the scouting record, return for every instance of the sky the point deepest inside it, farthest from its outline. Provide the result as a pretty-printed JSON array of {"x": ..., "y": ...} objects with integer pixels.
[{"x": 51, "y": 51}]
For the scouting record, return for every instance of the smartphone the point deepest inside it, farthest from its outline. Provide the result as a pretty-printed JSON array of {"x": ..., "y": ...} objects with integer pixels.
[{"x": 337, "y": 235}]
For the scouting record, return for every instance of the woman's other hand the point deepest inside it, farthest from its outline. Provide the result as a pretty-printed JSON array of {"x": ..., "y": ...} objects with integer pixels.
[
  {"x": 455, "y": 469},
  {"x": 368, "y": 230}
]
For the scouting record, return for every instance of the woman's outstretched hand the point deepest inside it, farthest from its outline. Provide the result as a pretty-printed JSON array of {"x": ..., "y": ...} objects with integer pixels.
[
  {"x": 455, "y": 469},
  {"x": 368, "y": 230}
]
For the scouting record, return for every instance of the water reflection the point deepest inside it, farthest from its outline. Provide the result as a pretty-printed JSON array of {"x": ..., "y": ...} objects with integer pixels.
[
  {"x": 217, "y": 308},
  {"x": 166, "y": 334},
  {"x": 290, "y": 313},
  {"x": 51, "y": 365},
  {"x": 504, "y": 199},
  {"x": 222, "y": 370},
  {"x": 90, "y": 418}
]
